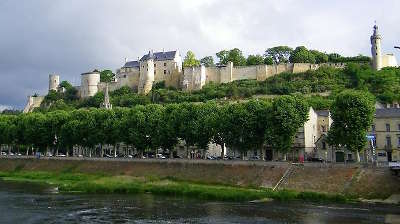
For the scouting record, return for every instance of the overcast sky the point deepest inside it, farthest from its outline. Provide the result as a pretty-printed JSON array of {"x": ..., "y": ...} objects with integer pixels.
[{"x": 69, "y": 37}]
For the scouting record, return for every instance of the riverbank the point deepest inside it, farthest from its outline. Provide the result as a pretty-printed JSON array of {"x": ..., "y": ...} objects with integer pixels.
[
  {"x": 106, "y": 184},
  {"x": 217, "y": 180}
]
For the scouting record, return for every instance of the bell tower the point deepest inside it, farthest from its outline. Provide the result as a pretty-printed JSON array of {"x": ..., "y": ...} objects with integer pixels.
[{"x": 376, "y": 49}]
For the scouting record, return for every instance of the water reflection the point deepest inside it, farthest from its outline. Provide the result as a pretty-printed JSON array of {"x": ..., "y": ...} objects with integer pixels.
[{"x": 30, "y": 203}]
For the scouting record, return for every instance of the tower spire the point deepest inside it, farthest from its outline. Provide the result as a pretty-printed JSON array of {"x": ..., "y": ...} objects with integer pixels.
[{"x": 376, "y": 49}]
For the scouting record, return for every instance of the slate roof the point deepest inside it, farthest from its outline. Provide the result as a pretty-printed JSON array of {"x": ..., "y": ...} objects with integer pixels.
[
  {"x": 160, "y": 56},
  {"x": 323, "y": 113},
  {"x": 132, "y": 64},
  {"x": 387, "y": 113}
]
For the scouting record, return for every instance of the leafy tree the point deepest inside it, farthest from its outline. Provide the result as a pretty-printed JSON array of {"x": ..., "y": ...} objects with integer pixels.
[
  {"x": 255, "y": 60},
  {"x": 279, "y": 54},
  {"x": 320, "y": 57},
  {"x": 352, "y": 113},
  {"x": 207, "y": 61},
  {"x": 235, "y": 56},
  {"x": 302, "y": 55},
  {"x": 190, "y": 60},
  {"x": 106, "y": 76},
  {"x": 287, "y": 115},
  {"x": 65, "y": 84}
]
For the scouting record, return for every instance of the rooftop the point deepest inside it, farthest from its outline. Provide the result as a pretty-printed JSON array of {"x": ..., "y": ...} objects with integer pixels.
[
  {"x": 160, "y": 56},
  {"x": 132, "y": 64},
  {"x": 387, "y": 113},
  {"x": 323, "y": 113}
]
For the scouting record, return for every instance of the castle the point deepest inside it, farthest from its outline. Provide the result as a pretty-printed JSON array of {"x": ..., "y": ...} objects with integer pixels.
[{"x": 154, "y": 67}]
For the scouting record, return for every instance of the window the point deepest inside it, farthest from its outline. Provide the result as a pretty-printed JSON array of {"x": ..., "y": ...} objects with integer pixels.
[
  {"x": 323, "y": 128},
  {"x": 155, "y": 65},
  {"x": 154, "y": 72},
  {"x": 388, "y": 141},
  {"x": 382, "y": 154},
  {"x": 323, "y": 145},
  {"x": 165, "y": 64},
  {"x": 398, "y": 127},
  {"x": 165, "y": 72},
  {"x": 373, "y": 128},
  {"x": 398, "y": 142},
  {"x": 388, "y": 127}
]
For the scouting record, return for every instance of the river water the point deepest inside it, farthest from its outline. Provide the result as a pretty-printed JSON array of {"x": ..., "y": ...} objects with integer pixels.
[{"x": 30, "y": 203}]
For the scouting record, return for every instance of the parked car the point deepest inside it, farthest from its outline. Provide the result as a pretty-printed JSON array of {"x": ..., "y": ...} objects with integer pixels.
[
  {"x": 108, "y": 156},
  {"x": 11, "y": 154},
  {"x": 211, "y": 158},
  {"x": 3, "y": 153},
  {"x": 254, "y": 158},
  {"x": 161, "y": 156},
  {"x": 315, "y": 159},
  {"x": 19, "y": 154},
  {"x": 177, "y": 157},
  {"x": 61, "y": 155}
]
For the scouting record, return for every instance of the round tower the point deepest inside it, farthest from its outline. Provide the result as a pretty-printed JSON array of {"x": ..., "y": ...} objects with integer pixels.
[
  {"x": 146, "y": 78},
  {"x": 376, "y": 49},
  {"x": 54, "y": 82},
  {"x": 89, "y": 82}
]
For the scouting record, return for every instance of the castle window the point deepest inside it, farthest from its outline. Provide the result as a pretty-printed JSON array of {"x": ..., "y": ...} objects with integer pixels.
[
  {"x": 155, "y": 65},
  {"x": 398, "y": 127},
  {"x": 388, "y": 127},
  {"x": 154, "y": 72},
  {"x": 165, "y": 72},
  {"x": 165, "y": 64}
]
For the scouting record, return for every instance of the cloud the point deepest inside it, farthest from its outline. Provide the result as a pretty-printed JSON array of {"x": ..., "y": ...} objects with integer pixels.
[{"x": 70, "y": 37}]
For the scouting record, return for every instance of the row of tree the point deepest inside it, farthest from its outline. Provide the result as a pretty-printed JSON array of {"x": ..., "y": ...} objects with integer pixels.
[
  {"x": 241, "y": 126},
  {"x": 274, "y": 55}
]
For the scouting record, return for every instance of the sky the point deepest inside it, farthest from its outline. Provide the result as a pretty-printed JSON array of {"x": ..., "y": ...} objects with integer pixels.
[{"x": 70, "y": 37}]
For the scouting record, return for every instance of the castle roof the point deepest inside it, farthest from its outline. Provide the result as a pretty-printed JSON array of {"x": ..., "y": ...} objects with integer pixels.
[
  {"x": 132, "y": 64},
  {"x": 322, "y": 113},
  {"x": 160, "y": 56},
  {"x": 387, "y": 113}
]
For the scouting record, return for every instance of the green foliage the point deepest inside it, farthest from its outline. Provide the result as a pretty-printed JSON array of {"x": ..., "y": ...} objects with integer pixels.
[
  {"x": 106, "y": 76},
  {"x": 65, "y": 84},
  {"x": 352, "y": 112},
  {"x": 255, "y": 60},
  {"x": 302, "y": 55},
  {"x": 190, "y": 60},
  {"x": 207, "y": 61},
  {"x": 279, "y": 54},
  {"x": 235, "y": 56},
  {"x": 287, "y": 115}
]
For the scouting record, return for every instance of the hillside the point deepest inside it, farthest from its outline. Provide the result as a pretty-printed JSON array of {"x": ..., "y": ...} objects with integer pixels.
[{"x": 319, "y": 88}]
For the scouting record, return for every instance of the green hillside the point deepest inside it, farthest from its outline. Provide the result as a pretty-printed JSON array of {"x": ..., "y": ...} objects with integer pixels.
[{"x": 319, "y": 87}]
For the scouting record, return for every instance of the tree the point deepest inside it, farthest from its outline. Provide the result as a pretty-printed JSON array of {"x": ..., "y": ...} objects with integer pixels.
[
  {"x": 65, "y": 84},
  {"x": 352, "y": 114},
  {"x": 255, "y": 60},
  {"x": 301, "y": 55},
  {"x": 268, "y": 61},
  {"x": 207, "y": 61},
  {"x": 320, "y": 57},
  {"x": 286, "y": 116},
  {"x": 279, "y": 54},
  {"x": 190, "y": 60},
  {"x": 235, "y": 56},
  {"x": 106, "y": 76}
]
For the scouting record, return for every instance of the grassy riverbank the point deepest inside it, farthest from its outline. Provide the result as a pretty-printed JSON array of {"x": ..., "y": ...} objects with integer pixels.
[{"x": 106, "y": 184}]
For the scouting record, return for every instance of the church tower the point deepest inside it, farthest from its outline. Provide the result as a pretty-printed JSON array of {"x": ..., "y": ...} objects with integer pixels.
[
  {"x": 106, "y": 104},
  {"x": 376, "y": 50}
]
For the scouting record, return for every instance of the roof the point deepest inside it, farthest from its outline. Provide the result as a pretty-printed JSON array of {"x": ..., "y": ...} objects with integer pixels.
[
  {"x": 387, "y": 113},
  {"x": 132, "y": 64},
  {"x": 160, "y": 56},
  {"x": 323, "y": 113}
]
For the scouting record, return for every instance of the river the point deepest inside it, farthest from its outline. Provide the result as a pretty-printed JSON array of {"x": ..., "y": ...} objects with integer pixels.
[{"x": 34, "y": 203}]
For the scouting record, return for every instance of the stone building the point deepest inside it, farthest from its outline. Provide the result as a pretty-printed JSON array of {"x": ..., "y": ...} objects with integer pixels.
[
  {"x": 386, "y": 129},
  {"x": 380, "y": 61}
]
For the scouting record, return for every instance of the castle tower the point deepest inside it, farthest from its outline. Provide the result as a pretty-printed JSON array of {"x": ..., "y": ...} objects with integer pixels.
[
  {"x": 89, "y": 83},
  {"x": 376, "y": 50},
  {"x": 54, "y": 82},
  {"x": 146, "y": 78},
  {"x": 106, "y": 104}
]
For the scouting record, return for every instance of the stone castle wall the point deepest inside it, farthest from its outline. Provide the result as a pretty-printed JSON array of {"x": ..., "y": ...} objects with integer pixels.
[{"x": 193, "y": 77}]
